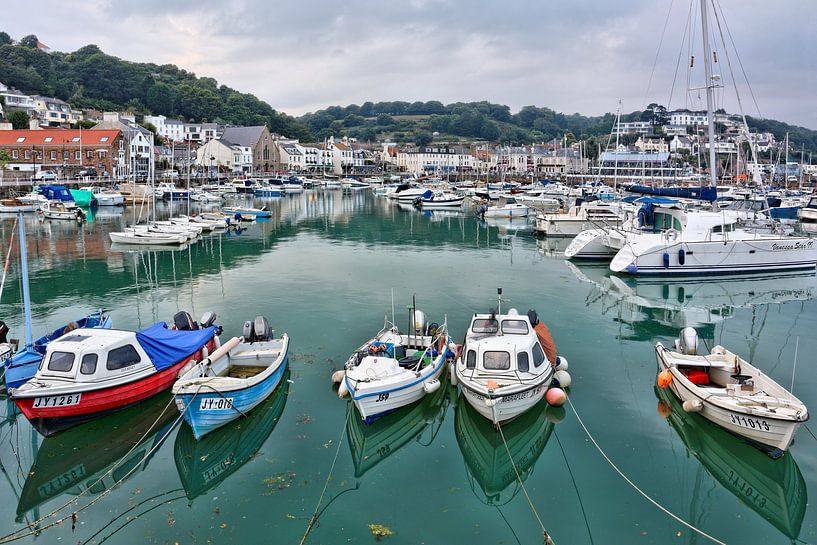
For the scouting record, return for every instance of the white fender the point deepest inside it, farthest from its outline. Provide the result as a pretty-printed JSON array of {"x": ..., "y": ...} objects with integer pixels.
[
  {"x": 337, "y": 376},
  {"x": 693, "y": 405},
  {"x": 452, "y": 372},
  {"x": 431, "y": 386},
  {"x": 343, "y": 390}
]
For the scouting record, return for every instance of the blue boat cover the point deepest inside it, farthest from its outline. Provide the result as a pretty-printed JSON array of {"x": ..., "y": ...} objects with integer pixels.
[
  {"x": 166, "y": 347},
  {"x": 650, "y": 200},
  {"x": 56, "y": 193}
]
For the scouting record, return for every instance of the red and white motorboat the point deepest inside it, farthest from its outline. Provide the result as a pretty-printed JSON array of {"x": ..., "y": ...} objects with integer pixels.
[{"x": 91, "y": 372}]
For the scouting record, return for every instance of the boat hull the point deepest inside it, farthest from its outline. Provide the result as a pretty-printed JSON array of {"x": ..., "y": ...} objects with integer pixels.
[
  {"x": 224, "y": 407},
  {"x": 499, "y": 409},
  {"x": 591, "y": 245}
]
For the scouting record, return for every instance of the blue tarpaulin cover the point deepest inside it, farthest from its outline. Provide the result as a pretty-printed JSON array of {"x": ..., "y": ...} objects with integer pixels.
[
  {"x": 56, "y": 193},
  {"x": 166, "y": 347}
]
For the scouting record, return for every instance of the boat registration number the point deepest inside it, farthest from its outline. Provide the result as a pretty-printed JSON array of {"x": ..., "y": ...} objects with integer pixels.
[
  {"x": 216, "y": 404},
  {"x": 752, "y": 423},
  {"x": 57, "y": 401}
]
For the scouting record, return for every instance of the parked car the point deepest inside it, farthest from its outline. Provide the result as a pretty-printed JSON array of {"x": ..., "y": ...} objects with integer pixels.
[
  {"x": 170, "y": 174},
  {"x": 43, "y": 175},
  {"x": 87, "y": 173}
]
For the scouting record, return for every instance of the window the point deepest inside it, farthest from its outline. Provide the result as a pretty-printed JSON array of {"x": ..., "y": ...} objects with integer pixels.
[
  {"x": 15, "y": 154},
  {"x": 53, "y": 155},
  {"x": 522, "y": 362},
  {"x": 471, "y": 360},
  {"x": 496, "y": 360},
  {"x": 519, "y": 327},
  {"x": 122, "y": 357},
  {"x": 485, "y": 325},
  {"x": 77, "y": 155},
  {"x": 61, "y": 361},
  {"x": 48, "y": 139},
  {"x": 64, "y": 155},
  {"x": 538, "y": 355},
  {"x": 103, "y": 139},
  {"x": 89, "y": 154},
  {"x": 28, "y": 154},
  {"x": 88, "y": 365},
  {"x": 21, "y": 139}
]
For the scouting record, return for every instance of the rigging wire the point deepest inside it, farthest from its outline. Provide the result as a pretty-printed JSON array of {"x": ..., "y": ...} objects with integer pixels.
[
  {"x": 658, "y": 52},
  {"x": 737, "y": 54}
]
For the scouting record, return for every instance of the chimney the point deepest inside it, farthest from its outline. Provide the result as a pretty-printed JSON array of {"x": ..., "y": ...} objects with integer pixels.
[{"x": 34, "y": 124}]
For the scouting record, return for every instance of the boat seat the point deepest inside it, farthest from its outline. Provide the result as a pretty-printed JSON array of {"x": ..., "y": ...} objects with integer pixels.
[{"x": 741, "y": 378}]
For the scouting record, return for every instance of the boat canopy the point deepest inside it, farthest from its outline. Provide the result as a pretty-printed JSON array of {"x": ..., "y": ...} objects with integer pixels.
[
  {"x": 165, "y": 347},
  {"x": 650, "y": 200},
  {"x": 56, "y": 193}
]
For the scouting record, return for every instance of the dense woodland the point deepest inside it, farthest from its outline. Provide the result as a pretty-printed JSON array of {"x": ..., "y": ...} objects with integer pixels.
[{"x": 89, "y": 78}]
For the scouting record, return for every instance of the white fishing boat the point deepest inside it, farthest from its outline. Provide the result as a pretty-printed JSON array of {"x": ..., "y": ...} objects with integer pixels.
[
  {"x": 199, "y": 195},
  {"x": 392, "y": 370},
  {"x": 105, "y": 197},
  {"x": 587, "y": 215},
  {"x": 506, "y": 363},
  {"x": 439, "y": 200},
  {"x": 506, "y": 207},
  {"x": 731, "y": 392},
  {"x": 58, "y": 210}
]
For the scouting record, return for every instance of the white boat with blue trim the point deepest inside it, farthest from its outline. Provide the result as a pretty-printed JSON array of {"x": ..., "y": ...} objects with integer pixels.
[
  {"x": 392, "y": 370},
  {"x": 232, "y": 380}
]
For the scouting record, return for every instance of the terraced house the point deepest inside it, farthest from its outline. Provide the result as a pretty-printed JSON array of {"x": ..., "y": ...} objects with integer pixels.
[{"x": 63, "y": 151}]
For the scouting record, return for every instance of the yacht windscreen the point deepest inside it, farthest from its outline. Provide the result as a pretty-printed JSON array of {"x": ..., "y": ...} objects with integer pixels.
[
  {"x": 485, "y": 325},
  {"x": 496, "y": 360}
]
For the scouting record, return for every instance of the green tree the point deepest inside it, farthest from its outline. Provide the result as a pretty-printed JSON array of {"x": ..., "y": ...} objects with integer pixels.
[
  {"x": 4, "y": 159},
  {"x": 29, "y": 41},
  {"x": 4, "y": 38},
  {"x": 422, "y": 138},
  {"x": 18, "y": 119}
]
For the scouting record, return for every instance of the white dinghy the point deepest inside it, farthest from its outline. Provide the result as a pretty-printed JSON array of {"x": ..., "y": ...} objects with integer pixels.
[{"x": 731, "y": 392}]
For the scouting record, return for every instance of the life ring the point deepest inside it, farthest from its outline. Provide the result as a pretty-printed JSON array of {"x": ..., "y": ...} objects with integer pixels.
[
  {"x": 382, "y": 348},
  {"x": 672, "y": 234},
  {"x": 373, "y": 348}
]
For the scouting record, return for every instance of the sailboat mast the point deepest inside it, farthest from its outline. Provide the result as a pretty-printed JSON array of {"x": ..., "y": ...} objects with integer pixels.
[
  {"x": 710, "y": 99},
  {"x": 24, "y": 270}
]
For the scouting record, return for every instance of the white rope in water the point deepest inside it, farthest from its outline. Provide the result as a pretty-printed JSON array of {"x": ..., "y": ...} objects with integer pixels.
[
  {"x": 635, "y": 486},
  {"x": 545, "y": 534},
  {"x": 314, "y": 518}
]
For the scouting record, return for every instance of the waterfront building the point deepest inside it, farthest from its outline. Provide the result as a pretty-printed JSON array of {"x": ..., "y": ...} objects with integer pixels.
[
  {"x": 434, "y": 158},
  {"x": 137, "y": 153},
  {"x": 64, "y": 151},
  {"x": 633, "y": 127},
  {"x": 170, "y": 129},
  {"x": 259, "y": 140}
]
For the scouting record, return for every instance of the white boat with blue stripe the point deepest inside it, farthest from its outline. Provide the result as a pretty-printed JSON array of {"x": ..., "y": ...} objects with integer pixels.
[
  {"x": 233, "y": 379},
  {"x": 392, "y": 370}
]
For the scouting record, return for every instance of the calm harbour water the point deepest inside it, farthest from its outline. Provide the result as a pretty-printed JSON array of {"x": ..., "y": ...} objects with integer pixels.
[{"x": 322, "y": 269}]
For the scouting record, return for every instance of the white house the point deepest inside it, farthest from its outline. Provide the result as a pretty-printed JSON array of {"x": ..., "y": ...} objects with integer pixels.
[
  {"x": 688, "y": 118},
  {"x": 633, "y": 127},
  {"x": 136, "y": 158},
  {"x": 434, "y": 159},
  {"x": 15, "y": 99},
  {"x": 171, "y": 129}
]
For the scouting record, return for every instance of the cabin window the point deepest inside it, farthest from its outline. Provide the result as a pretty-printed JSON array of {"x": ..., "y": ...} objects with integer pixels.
[
  {"x": 723, "y": 228},
  {"x": 518, "y": 327},
  {"x": 61, "y": 361},
  {"x": 122, "y": 357},
  {"x": 88, "y": 365},
  {"x": 471, "y": 360},
  {"x": 522, "y": 362},
  {"x": 538, "y": 355},
  {"x": 485, "y": 325},
  {"x": 496, "y": 360}
]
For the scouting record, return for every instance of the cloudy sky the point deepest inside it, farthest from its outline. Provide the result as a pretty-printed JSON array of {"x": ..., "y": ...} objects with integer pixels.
[{"x": 577, "y": 56}]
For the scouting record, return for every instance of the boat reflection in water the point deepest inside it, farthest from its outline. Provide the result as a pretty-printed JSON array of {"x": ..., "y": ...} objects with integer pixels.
[
  {"x": 662, "y": 306},
  {"x": 485, "y": 455},
  {"x": 552, "y": 246},
  {"x": 774, "y": 489},
  {"x": 205, "y": 463},
  {"x": 371, "y": 444},
  {"x": 88, "y": 459}
]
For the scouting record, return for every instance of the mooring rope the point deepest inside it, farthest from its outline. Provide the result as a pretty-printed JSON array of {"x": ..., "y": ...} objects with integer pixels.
[
  {"x": 14, "y": 536},
  {"x": 635, "y": 486},
  {"x": 314, "y": 518},
  {"x": 547, "y": 539}
]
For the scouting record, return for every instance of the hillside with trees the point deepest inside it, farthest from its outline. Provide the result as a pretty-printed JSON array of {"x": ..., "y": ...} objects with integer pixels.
[{"x": 90, "y": 78}]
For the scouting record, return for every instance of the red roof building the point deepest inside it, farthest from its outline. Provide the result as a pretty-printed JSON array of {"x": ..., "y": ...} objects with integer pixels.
[{"x": 65, "y": 151}]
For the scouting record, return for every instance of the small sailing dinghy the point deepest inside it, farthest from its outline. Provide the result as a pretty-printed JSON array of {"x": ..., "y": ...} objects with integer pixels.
[
  {"x": 731, "y": 392},
  {"x": 506, "y": 363},
  {"x": 242, "y": 373},
  {"x": 392, "y": 370},
  {"x": 92, "y": 372}
]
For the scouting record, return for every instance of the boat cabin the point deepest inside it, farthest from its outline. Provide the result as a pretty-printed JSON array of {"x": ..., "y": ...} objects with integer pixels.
[
  {"x": 503, "y": 345},
  {"x": 93, "y": 355}
]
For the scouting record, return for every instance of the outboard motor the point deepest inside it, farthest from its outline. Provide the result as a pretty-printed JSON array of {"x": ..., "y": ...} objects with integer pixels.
[
  {"x": 533, "y": 317},
  {"x": 419, "y": 322},
  {"x": 208, "y": 319},
  {"x": 184, "y": 322},
  {"x": 261, "y": 330},
  {"x": 432, "y": 328},
  {"x": 4, "y": 329},
  {"x": 247, "y": 331},
  {"x": 687, "y": 342}
]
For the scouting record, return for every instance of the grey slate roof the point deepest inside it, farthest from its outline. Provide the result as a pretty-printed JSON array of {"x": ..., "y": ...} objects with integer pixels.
[{"x": 243, "y": 136}]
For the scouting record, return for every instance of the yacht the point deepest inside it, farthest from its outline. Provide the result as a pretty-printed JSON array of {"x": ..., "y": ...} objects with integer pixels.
[{"x": 581, "y": 217}]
